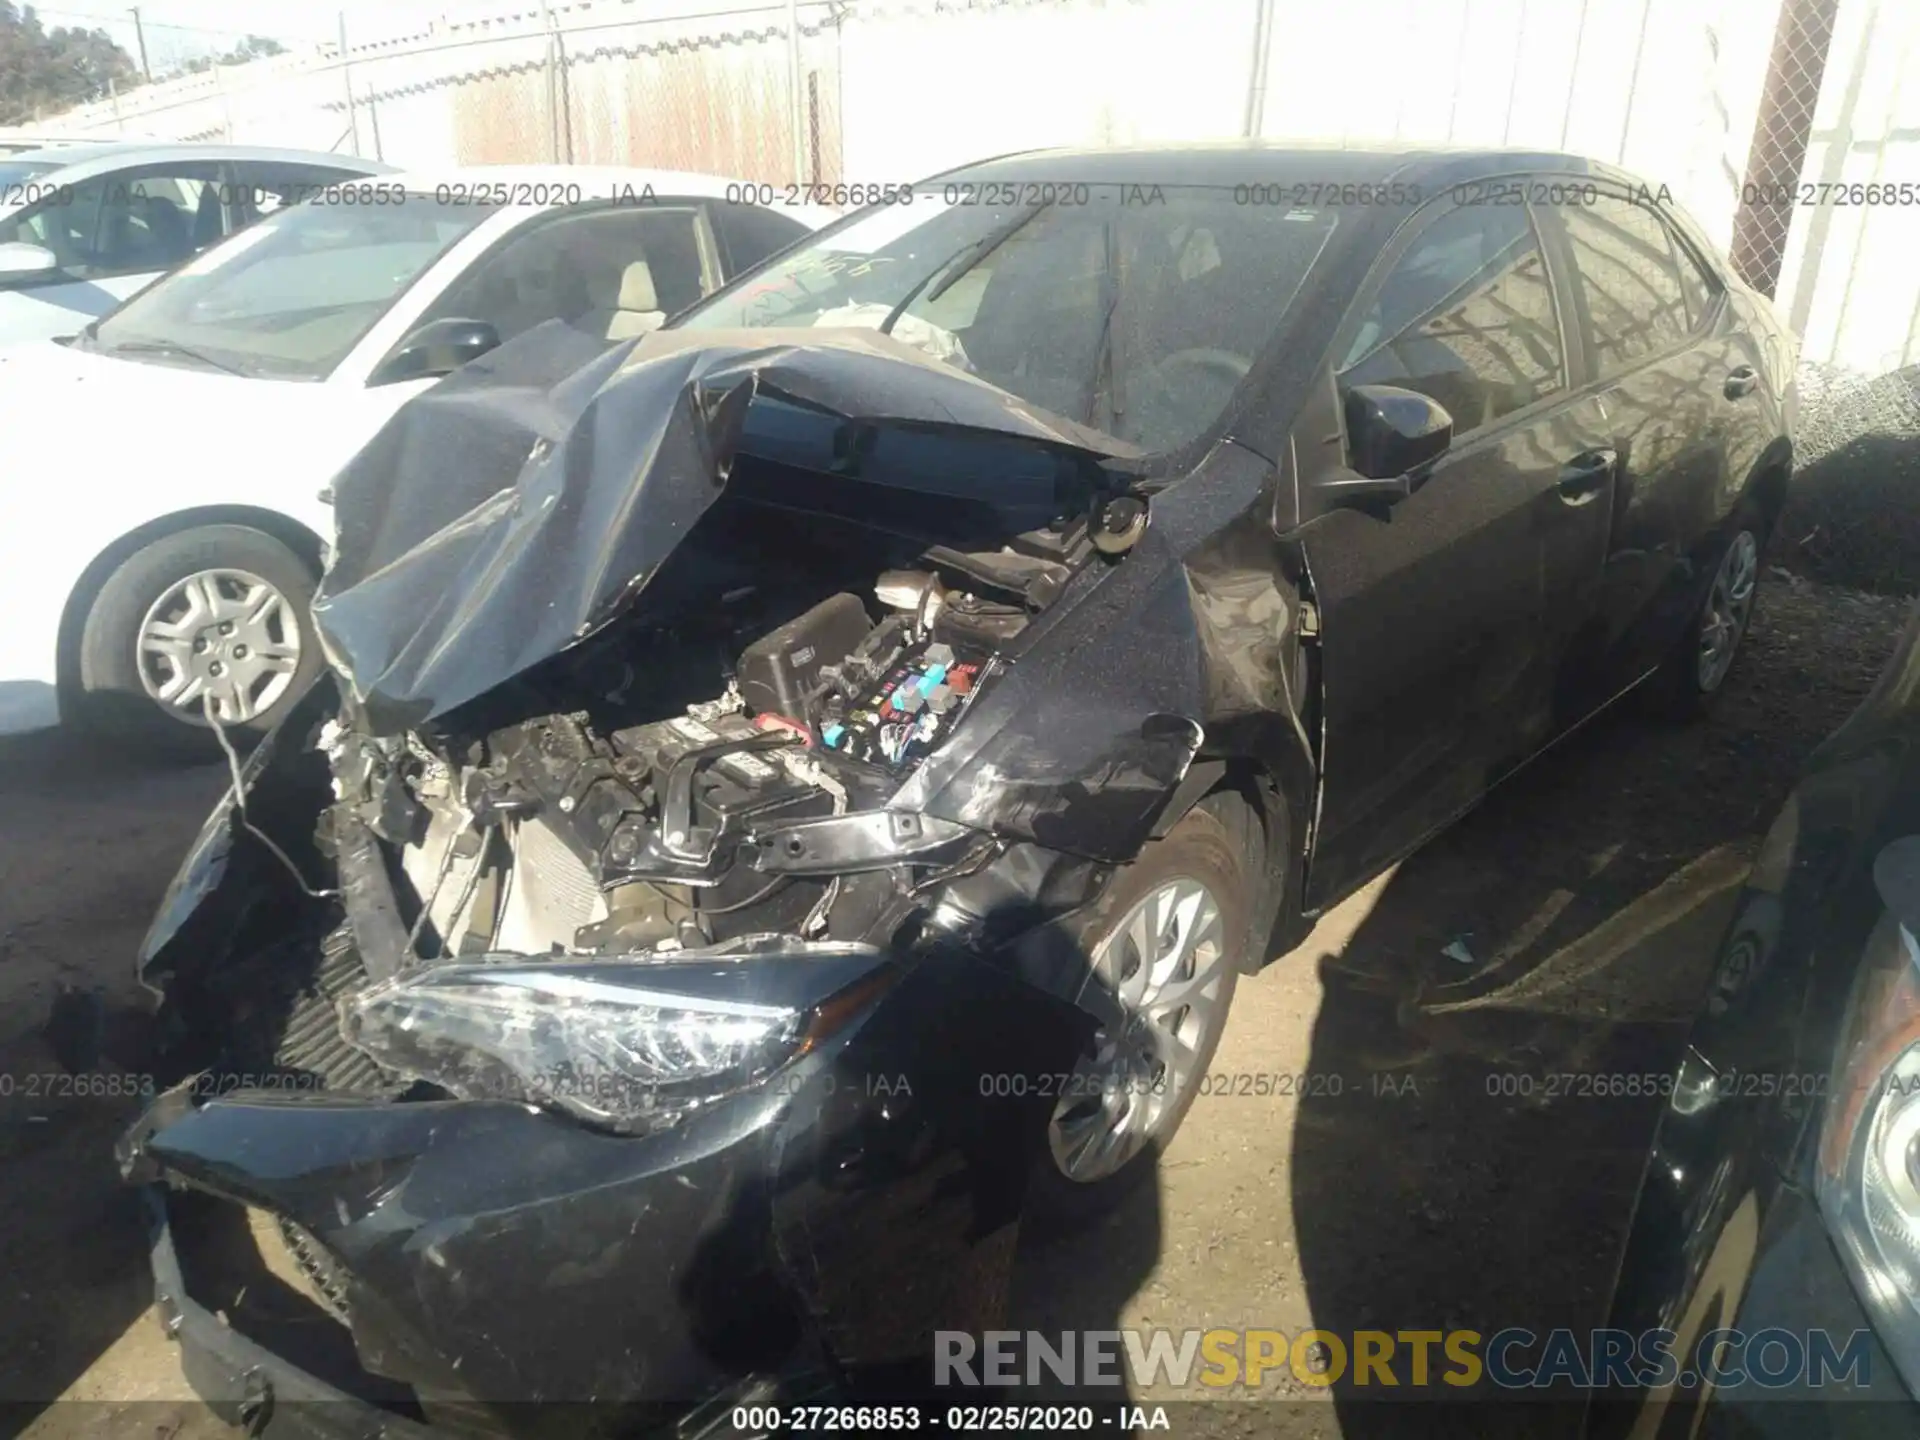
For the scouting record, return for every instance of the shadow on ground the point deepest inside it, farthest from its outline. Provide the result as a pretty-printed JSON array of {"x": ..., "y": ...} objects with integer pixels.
[
  {"x": 1479, "y": 1169},
  {"x": 88, "y": 842}
]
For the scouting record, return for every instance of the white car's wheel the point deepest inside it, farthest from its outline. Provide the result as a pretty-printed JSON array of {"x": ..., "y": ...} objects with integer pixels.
[{"x": 213, "y": 618}]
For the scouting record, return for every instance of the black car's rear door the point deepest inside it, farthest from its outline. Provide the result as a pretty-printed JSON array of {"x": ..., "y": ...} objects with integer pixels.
[
  {"x": 1666, "y": 360},
  {"x": 1445, "y": 619}
]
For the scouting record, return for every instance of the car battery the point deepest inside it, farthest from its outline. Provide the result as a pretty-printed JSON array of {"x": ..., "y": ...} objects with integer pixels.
[
  {"x": 909, "y": 712},
  {"x": 745, "y": 782}
]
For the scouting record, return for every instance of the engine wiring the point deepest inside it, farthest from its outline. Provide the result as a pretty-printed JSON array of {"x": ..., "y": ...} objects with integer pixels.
[{"x": 240, "y": 806}]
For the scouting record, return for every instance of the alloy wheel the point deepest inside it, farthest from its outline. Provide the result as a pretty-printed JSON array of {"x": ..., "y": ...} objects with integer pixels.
[
  {"x": 1729, "y": 604},
  {"x": 1165, "y": 967},
  {"x": 224, "y": 636}
]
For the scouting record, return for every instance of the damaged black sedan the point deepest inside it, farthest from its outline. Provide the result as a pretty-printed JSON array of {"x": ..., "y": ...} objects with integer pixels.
[{"x": 797, "y": 791}]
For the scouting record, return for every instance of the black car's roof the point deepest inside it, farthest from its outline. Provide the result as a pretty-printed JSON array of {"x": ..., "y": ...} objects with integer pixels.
[{"x": 1241, "y": 162}]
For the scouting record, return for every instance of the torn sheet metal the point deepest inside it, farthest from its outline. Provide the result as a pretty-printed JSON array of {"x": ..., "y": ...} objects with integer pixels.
[{"x": 521, "y": 504}]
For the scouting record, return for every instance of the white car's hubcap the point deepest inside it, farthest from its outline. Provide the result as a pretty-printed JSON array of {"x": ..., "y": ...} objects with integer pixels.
[{"x": 223, "y": 636}]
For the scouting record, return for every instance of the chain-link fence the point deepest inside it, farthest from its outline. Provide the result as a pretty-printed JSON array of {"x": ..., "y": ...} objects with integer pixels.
[{"x": 1802, "y": 38}]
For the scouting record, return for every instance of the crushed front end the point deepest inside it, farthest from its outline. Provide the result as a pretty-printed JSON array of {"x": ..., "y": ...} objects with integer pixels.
[{"x": 567, "y": 1044}]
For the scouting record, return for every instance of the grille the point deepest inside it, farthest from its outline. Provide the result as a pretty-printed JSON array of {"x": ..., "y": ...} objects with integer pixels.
[
  {"x": 310, "y": 1257},
  {"x": 312, "y": 1040}
]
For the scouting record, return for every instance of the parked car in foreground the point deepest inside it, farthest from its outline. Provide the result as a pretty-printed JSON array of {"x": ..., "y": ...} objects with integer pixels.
[
  {"x": 84, "y": 226},
  {"x": 168, "y": 560},
  {"x": 802, "y": 792},
  {"x": 1783, "y": 1189}
]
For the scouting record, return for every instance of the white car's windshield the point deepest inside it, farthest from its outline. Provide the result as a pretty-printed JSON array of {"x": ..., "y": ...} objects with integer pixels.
[
  {"x": 1133, "y": 310},
  {"x": 289, "y": 297}
]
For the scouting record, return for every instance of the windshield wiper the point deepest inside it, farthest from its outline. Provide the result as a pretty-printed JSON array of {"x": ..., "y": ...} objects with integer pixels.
[
  {"x": 169, "y": 347},
  {"x": 955, "y": 269}
]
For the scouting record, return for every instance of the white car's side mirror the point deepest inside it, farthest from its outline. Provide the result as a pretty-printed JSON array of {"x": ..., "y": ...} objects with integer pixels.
[{"x": 20, "y": 261}]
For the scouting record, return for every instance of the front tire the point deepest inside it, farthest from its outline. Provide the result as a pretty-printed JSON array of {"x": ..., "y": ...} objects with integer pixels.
[
  {"x": 213, "y": 615},
  {"x": 1166, "y": 949}
]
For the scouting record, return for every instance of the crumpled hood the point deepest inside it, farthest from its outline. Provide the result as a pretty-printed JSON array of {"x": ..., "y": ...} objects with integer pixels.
[{"x": 522, "y": 504}]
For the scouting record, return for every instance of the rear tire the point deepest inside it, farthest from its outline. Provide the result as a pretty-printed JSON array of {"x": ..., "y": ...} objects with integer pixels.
[
  {"x": 1189, "y": 898},
  {"x": 1696, "y": 670},
  {"x": 218, "y": 610}
]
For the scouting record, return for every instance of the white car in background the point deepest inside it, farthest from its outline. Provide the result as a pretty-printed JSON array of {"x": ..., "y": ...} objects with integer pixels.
[
  {"x": 84, "y": 226},
  {"x": 161, "y": 519}
]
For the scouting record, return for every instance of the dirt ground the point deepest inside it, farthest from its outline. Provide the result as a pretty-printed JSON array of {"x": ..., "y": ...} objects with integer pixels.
[{"x": 1588, "y": 893}]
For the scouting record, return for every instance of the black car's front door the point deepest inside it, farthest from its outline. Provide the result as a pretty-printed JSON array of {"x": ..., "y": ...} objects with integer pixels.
[{"x": 1445, "y": 619}]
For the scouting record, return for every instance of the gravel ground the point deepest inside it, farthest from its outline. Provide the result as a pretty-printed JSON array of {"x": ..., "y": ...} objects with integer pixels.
[{"x": 1589, "y": 894}]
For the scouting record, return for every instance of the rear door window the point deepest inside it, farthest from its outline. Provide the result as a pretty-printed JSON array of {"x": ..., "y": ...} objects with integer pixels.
[
  {"x": 126, "y": 223},
  {"x": 1628, "y": 280}
]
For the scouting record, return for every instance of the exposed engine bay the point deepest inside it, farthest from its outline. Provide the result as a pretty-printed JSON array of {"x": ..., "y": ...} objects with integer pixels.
[{"x": 715, "y": 768}]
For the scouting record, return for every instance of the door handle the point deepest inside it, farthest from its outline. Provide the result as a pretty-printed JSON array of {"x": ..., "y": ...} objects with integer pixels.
[
  {"x": 1586, "y": 475},
  {"x": 1742, "y": 381}
]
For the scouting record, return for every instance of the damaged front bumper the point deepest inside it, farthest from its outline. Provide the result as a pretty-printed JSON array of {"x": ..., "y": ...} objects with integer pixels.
[
  {"x": 486, "y": 1257},
  {"x": 241, "y": 1380},
  {"x": 340, "y": 1261}
]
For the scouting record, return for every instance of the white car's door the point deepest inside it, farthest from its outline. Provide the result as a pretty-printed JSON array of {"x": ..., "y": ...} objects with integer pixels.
[{"x": 109, "y": 236}]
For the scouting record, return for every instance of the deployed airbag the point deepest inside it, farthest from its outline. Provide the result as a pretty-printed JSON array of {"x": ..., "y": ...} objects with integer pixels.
[{"x": 521, "y": 504}]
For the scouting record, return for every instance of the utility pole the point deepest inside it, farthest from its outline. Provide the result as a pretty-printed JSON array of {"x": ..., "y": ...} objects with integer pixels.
[
  {"x": 796, "y": 105},
  {"x": 1257, "y": 75},
  {"x": 346, "y": 79},
  {"x": 556, "y": 83},
  {"x": 140, "y": 36}
]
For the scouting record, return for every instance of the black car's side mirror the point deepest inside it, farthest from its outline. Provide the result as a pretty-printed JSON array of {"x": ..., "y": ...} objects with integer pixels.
[
  {"x": 1390, "y": 434},
  {"x": 439, "y": 347}
]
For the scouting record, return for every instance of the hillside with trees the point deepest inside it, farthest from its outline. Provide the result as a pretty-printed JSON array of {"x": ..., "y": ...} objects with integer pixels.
[
  {"x": 252, "y": 47},
  {"x": 44, "y": 71}
]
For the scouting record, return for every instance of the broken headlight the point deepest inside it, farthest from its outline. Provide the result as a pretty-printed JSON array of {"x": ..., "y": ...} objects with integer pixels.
[{"x": 626, "y": 1044}]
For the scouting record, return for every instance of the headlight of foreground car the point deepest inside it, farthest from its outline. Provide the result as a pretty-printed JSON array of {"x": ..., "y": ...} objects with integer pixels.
[
  {"x": 624, "y": 1044},
  {"x": 1869, "y": 1163}
]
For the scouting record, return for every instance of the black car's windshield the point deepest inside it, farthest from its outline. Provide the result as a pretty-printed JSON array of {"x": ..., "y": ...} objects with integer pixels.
[
  {"x": 289, "y": 297},
  {"x": 1133, "y": 309}
]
